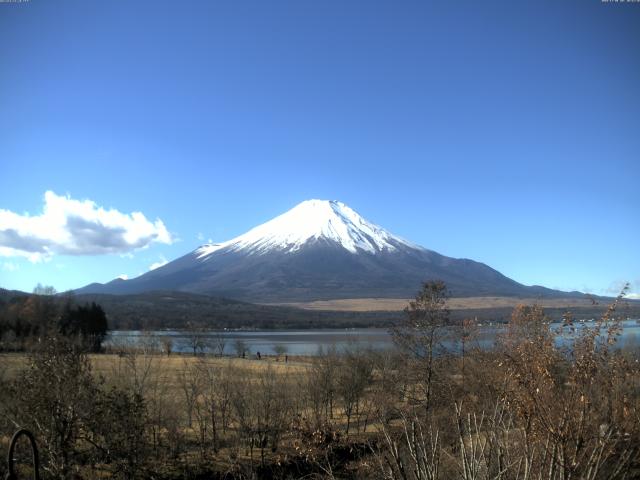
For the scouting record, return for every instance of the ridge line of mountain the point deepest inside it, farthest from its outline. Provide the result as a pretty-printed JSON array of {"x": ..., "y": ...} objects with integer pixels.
[{"x": 320, "y": 250}]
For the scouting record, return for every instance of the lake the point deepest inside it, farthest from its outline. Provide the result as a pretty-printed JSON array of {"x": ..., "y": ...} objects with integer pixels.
[{"x": 308, "y": 342}]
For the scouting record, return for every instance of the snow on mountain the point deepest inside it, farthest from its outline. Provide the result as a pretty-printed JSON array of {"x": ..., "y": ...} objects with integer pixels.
[
  {"x": 312, "y": 220},
  {"x": 318, "y": 250}
]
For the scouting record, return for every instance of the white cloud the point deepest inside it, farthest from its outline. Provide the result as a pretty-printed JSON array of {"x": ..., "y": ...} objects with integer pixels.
[
  {"x": 76, "y": 227},
  {"x": 162, "y": 262},
  {"x": 123, "y": 276},
  {"x": 33, "y": 257},
  {"x": 200, "y": 236},
  {"x": 633, "y": 296},
  {"x": 10, "y": 267}
]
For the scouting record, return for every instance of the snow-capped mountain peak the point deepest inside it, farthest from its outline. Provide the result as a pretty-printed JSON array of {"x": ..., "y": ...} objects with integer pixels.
[
  {"x": 318, "y": 250},
  {"x": 312, "y": 220}
]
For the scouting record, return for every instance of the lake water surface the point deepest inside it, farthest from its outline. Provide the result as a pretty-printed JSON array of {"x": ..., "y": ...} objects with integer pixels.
[{"x": 308, "y": 342}]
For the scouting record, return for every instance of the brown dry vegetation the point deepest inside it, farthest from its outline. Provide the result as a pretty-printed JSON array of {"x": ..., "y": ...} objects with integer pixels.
[
  {"x": 454, "y": 303},
  {"x": 527, "y": 409}
]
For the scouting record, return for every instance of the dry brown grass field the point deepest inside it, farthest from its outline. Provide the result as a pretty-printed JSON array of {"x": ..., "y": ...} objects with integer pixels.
[
  {"x": 105, "y": 363},
  {"x": 176, "y": 396},
  {"x": 397, "y": 304},
  {"x": 170, "y": 374},
  {"x": 112, "y": 367},
  {"x": 527, "y": 408}
]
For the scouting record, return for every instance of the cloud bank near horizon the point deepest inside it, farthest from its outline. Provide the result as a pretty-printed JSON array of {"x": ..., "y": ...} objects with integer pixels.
[{"x": 76, "y": 227}]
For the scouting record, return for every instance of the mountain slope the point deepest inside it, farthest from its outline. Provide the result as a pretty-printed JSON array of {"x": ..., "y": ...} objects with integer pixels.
[{"x": 318, "y": 250}]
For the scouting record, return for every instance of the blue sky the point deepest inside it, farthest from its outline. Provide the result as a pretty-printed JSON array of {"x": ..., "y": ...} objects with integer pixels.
[{"x": 507, "y": 132}]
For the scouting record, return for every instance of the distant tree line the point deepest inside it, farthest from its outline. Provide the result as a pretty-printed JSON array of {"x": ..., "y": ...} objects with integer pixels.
[
  {"x": 160, "y": 310},
  {"x": 25, "y": 319}
]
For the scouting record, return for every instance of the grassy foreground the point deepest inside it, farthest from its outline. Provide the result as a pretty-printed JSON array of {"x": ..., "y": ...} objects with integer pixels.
[{"x": 528, "y": 409}]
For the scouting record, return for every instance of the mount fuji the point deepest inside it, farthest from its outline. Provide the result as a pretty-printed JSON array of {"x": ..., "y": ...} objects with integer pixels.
[{"x": 319, "y": 250}]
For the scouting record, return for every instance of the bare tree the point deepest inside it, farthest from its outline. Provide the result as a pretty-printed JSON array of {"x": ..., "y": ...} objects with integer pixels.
[
  {"x": 190, "y": 383},
  {"x": 422, "y": 333},
  {"x": 280, "y": 349},
  {"x": 167, "y": 345},
  {"x": 262, "y": 409},
  {"x": 148, "y": 343},
  {"x": 133, "y": 369},
  {"x": 412, "y": 452},
  {"x": 354, "y": 376},
  {"x": 241, "y": 348},
  {"x": 160, "y": 405},
  {"x": 219, "y": 342},
  {"x": 321, "y": 385},
  {"x": 197, "y": 342}
]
